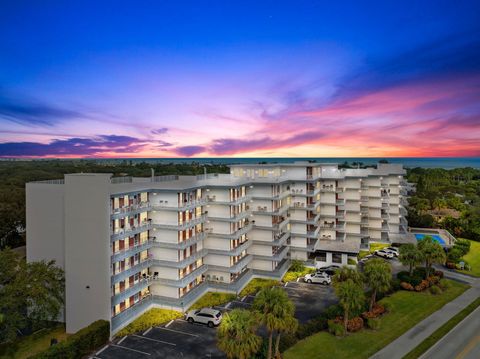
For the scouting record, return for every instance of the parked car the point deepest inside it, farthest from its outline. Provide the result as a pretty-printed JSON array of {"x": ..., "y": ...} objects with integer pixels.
[
  {"x": 208, "y": 316},
  {"x": 394, "y": 250},
  {"x": 330, "y": 270},
  {"x": 319, "y": 277},
  {"x": 384, "y": 253}
]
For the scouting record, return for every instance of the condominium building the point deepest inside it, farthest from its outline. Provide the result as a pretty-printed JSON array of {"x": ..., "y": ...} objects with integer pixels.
[{"x": 128, "y": 244}]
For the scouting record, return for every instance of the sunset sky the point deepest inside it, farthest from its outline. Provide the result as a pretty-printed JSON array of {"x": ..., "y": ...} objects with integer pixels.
[{"x": 239, "y": 78}]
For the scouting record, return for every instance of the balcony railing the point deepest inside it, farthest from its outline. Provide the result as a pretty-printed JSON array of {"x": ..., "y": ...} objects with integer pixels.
[
  {"x": 235, "y": 268},
  {"x": 182, "y": 263},
  {"x": 238, "y": 233},
  {"x": 181, "y": 282},
  {"x": 131, "y": 313},
  {"x": 127, "y": 272},
  {"x": 232, "y": 202},
  {"x": 179, "y": 245},
  {"x": 276, "y": 257},
  {"x": 175, "y": 206},
  {"x": 235, "y": 218},
  {"x": 131, "y": 210},
  {"x": 131, "y": 251},
  {"x": 232, "y": 252},
  {"x": 181, "y": 226},
  {"x": 127, "y": 293},
  {"x": 131, "y": 231}
]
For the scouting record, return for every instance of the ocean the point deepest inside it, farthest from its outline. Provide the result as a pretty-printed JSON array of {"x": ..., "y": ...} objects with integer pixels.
[{"x": 408, "y": 162}]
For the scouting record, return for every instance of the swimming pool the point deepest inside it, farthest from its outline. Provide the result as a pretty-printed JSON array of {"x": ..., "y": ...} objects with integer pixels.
[{"x": 436, "y": 237}]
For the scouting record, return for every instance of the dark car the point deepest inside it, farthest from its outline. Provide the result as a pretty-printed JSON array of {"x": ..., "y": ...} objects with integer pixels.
[{"x": 330, "y": 270}]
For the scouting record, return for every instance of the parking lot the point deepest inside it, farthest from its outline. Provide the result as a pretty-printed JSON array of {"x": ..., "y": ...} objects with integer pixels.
[{"x": 180, "y": 339}]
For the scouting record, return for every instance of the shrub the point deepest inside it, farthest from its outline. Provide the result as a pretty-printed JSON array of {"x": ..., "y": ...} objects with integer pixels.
[
  {"x": 79, "y": 344},
  {"x": 422, "y": 286},
  {"x": 432, "y": 280},
  {"x": 351, "y": 261},
  {"x": 212, "y": 299},
  {"x": 439, "y": 274},
  {"x": 435, "y": 290},
  {"x": 333, "y": 311},
  {"x": 256, "y": 284},
  {"x": 336, "y": 328},
  {"x": 444, "y": 284},
  {"x": 395, "y": 285},
  {"x": 420, "y": 272},
  {"x": 373, "y": 323},
  {"x": 387, "y": 307},
  {"x": 292, "y": 276},
  {"x": 450, "y": 265},
  {"x": 296, "y": 266},
  {"x": 153, "y": 317},
  {"x": 376, "y": 311},
  {"x": 406, "y": 286},
  {"x": 355, "y": 324}
]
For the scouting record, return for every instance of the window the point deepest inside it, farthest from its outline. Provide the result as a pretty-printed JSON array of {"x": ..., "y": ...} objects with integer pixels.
[
  {"x": 336, "y": 258},
  {"x": 322, "y": 256}
]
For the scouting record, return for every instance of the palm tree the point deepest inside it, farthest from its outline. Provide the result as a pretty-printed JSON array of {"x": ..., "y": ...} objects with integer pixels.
[
  {"x": 351, "y": 297},
  {"x": 410, "y": 255},
  {"x": 432, "y": 252},
  {"x": 275, "y": 311},
  {"x": 345, "y": 273},
  {"x": 236, "y": 334},
  {"x": 378, "y": 275}
]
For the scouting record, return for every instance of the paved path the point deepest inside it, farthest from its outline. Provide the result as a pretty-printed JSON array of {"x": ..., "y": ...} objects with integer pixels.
[
  {"x": 462, "y": 342},
  {"x": 409, "y": 340}
]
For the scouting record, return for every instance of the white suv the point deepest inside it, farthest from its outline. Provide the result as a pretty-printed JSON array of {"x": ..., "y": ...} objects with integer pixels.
[
  {"x": 208, "y": 316},
  {"x": 384, "y": 253},
  {"x": 319, "y": 277}
]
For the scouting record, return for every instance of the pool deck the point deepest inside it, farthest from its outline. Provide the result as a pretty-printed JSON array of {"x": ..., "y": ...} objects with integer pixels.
[{"x": 442, "y": 233}]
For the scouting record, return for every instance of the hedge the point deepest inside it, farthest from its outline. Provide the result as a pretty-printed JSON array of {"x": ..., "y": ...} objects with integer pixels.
[{"x": 79, "y": 344}]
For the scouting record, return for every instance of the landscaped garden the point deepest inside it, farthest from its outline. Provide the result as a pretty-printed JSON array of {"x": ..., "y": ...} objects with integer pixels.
[
  {"x": 405, "y": 309},
  {"x": 212, "y": 299},
  {"x": 154, "y": 317},
  {"x": 373, "y": 247},
  {"x": 297, "y": 270},
  {"x": 472, "y": 258},
  {"x": 256, "y": 285}
]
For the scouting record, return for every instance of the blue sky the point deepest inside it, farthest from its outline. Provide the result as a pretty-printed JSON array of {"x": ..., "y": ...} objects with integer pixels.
[{"x": 269, "y": 78}]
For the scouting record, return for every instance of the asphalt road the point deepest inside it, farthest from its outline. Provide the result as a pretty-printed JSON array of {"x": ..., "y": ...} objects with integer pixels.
[{"x": 463, "y": 342}]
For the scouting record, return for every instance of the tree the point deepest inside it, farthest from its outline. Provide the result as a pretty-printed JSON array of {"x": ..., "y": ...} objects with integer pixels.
[
  {"x": 410, "y": 256},
  {"x": 378, "y": 275},
  {"x": 236, "y": 334},
  {"x": 351, "y": 297},
  {"x": 432, "y": 252},
  {"x": 31, "y": 293},
  {"x": 345, "y": 273},
  {"x": 276, "y": 313}
]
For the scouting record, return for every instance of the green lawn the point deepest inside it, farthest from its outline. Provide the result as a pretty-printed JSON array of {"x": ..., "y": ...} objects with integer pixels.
[
  {"x": 442, "y": 331},
  {"x": 32, "y": 344},
  {"x": 407, "y": 309},
  {"x": 212, "y": 299},
  {"x": 473, "y": 258}
]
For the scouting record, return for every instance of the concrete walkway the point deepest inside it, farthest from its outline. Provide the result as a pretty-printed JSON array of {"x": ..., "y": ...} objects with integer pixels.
[{"x": 413, "y": 337}]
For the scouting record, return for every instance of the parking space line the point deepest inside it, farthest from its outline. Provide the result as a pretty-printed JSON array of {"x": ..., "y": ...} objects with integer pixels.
[
  {"x": 241, "y": 302},
  {"x": 168, "y": 324},
  {"x": 177, "y": 331},
  {"x": 127, "y": 348},
  {"x": 228, "y": 305},
  {"x": 101, "y": 350},
  {"x": 121, "y": 340},
  {"x": 286, "y": 284},
  {"x": 147, "y": 331},
  {"x": 154, "y": 340},
  {"x": 243, "y": 298}
]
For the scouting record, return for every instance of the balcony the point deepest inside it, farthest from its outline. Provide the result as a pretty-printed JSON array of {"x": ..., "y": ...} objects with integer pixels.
[
  {"x": 232, "y": 252},
  {"x": 165, "y": 206},
  {"x": 235, "y": 268},
  {"x": 127, "y": 293},
  {"x": 278, "y": 240},
  {"x": 236, "y": 285},
  {"x": 232, "y": 202},
  {"x": 130, "y": 231},
  {"x": 181, "y": 282},
  {"x": 271, "y": 196},
  {"x": 236, "y": 218},
  {"x": 238, "y": 233},
  {"x": 129, "y": 271},
  {"x": 181, "y": 226},
  {"x": 182, "y": 263},
  {"x": 131, "y": 210},
  {"x": 277, "y": 273},
  {"x": 271, "y": 212},
  {"x": 179, "y": 245},
  {"x": 276, "y": 257},
  {"x": 327, "y": 189},
  {"x": 131, "y": 251}
]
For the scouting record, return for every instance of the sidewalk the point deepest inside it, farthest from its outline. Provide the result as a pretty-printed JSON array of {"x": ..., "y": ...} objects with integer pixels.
[{"x": 410, "y": 339}]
